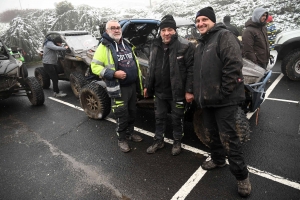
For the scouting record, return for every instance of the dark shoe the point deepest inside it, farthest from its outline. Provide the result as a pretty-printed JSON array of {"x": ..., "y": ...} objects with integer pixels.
[
  {"x": 244, "y": 187},
  {"x": 176, "y": 147},
  {"x": 208, "y": 165},
  {"x": 134, "y": 137},
  {"x": 157, "y": 144},
  {"x": 123, "y": 145}
]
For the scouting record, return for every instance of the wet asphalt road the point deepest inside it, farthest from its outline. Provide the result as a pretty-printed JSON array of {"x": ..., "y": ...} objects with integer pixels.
[{"x": 55, "y": 151}]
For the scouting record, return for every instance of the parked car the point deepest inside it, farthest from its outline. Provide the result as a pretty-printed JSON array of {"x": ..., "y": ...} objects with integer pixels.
[
  {"x": 14, "y": 80},
  {"x": 140, "y": 32},
  {"x": 287, "y": 44},
  {"x": 74, "y": 64}
]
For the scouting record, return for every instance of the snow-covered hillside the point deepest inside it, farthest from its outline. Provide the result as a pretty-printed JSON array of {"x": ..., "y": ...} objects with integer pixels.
[{"x": 28, "y": 33}]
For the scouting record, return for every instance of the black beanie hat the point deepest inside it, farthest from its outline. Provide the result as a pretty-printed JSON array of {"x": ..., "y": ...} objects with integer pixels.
[
  {"x": 57, "y": 40},
  {"x": 167, "y": 21},
  {"x": 226, "y": 18},
  {"x": 207, "y": 12}
]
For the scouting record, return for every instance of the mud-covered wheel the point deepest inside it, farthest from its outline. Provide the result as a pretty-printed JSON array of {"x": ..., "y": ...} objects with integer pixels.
[
  {"x": 95, "y": 101},
  {"x": 290, "y": 65},
  {"x": 42, "y": 77},
  {"x": 242, "y": 127},
  {"x": 34, "y": 91},
  {"x": 77, "y": 81}
]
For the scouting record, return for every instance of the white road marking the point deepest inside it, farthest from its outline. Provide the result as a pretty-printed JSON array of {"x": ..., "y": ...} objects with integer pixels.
[
  {"x": 189, "y": 185},
  {"x": 289, "y": 101},
  {"x": 196, "y": 177}
]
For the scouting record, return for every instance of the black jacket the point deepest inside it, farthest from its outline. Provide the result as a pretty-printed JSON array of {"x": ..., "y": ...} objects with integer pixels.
[
  {"x": 181, "y": 59},
  {"x": 232, "y": 28},
  {"x": 218, "y": 79}
]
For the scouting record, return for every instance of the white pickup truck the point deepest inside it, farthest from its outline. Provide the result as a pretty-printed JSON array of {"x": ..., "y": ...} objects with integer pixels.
[{"x": 287, "y": 44}]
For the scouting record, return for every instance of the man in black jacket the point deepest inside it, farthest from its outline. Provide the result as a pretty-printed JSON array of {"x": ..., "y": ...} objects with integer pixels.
[
  {"x": 218, "y": 89},
  {"x": 229, "y": 26},
  {"x": 169, "y": 78}
]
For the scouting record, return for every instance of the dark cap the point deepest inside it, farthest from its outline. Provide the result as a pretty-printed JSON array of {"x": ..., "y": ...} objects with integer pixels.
[
  {"x": 167, "y": 21},
  {"x": 57, "y": 40},
  {"x": 226, "y": 18},
  {"x": 207, "y": 12}
]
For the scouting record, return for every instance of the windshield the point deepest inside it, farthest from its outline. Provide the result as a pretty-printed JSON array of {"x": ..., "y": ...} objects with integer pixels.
[{"x": 81, "y": 42}]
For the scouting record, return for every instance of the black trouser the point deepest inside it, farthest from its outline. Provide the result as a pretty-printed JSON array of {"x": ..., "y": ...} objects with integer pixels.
[
  {"x": 221, "y": 125},
  {"x": 51, "y": 71},
  {"x": 124, "y": 109},
  {"x": 177, "y": 113}
]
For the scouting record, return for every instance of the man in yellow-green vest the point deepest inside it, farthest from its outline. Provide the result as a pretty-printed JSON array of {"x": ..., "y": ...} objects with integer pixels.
[{"x": 115, "y": 62}]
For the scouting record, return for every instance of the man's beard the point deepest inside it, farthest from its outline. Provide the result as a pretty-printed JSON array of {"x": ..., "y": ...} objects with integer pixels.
[{"x": 115, "y": 38}]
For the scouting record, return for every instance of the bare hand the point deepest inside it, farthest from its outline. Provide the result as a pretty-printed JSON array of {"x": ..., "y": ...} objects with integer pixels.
[
  {"x": 189, "y": 97},
  {"x": 145, "y": 93},
  {"x": 120, "y": 74}
]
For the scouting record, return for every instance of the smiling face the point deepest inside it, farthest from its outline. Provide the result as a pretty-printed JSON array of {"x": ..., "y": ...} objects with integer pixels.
[
  {"x": 204, "y": 24},
  {"x": 113, "y": 29},
  {"x": 166, "y": 34}
]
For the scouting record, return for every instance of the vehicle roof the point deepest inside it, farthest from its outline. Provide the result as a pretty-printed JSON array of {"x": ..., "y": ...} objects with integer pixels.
[{"x": 65, "y": 33}]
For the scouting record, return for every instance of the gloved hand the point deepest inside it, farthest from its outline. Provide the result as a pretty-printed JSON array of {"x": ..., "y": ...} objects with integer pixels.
[{"x": 271, "y": 59}]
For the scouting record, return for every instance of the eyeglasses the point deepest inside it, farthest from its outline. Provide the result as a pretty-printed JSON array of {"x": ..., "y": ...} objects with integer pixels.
[{"x": 114, "y": 28}]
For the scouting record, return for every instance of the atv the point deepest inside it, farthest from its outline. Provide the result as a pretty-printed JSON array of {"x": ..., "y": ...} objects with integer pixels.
[
  {"x": 14, "y": 80},
  {"x": 74, "y": 64}
]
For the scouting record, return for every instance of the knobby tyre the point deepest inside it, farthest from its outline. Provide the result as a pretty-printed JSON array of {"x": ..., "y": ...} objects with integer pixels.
[{"x": 95, "y": 101}]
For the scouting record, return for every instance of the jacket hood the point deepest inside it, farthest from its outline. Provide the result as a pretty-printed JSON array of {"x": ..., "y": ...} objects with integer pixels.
[{"x": 257, "y": 13}]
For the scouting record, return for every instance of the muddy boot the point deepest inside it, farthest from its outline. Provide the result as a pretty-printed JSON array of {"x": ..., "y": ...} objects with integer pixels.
[
  {"x": 209, "y": 165},
  {"x": 123, "y": 145},
  {"x": 244, "y": 187},
  {"x": 157, "y": 144},
  {"x": 176, "y": 147},
  {"x": 134, "y": 137}
]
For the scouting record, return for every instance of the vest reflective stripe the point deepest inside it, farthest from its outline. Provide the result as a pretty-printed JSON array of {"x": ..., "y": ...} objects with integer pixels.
[
  {"x": 113, "y": 89},
  {"x": 102, "y": 72},
  {"x": 97, "y": 62}
]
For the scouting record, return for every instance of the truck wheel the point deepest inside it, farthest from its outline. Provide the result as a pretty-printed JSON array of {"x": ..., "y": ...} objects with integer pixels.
[
  {"x": 242, "y": 127},
  {"x": 290, "y": 65},
  {"x": 77, "y": 81},
  {"x": 34, "y": 91},
  {"x": 24, "y": 71},
  {"x": 42, "y": 77},
  {"x": 95, "y": 101}
]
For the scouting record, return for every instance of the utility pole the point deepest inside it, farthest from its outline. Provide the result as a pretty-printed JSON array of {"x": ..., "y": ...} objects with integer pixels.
[{"x": 150, "y": 4}]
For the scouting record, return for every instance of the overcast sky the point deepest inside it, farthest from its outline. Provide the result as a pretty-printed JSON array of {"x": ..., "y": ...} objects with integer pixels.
[{"x": 44, "y": 4}]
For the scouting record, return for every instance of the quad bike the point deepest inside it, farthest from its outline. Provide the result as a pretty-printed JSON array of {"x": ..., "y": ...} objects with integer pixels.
[
  {"x": 14, "y": 80},
  {"x": 96, "y": 103},
  {"x": 73, "y": 65}
]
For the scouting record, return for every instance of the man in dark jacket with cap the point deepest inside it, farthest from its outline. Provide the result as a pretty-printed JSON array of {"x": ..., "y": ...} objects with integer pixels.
[
  {"x": 169, "y": 78},
  {"x": 255, "y": 38},
  {"x": 229, "y": 26},
  {"x": 218, "y": 89}
]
